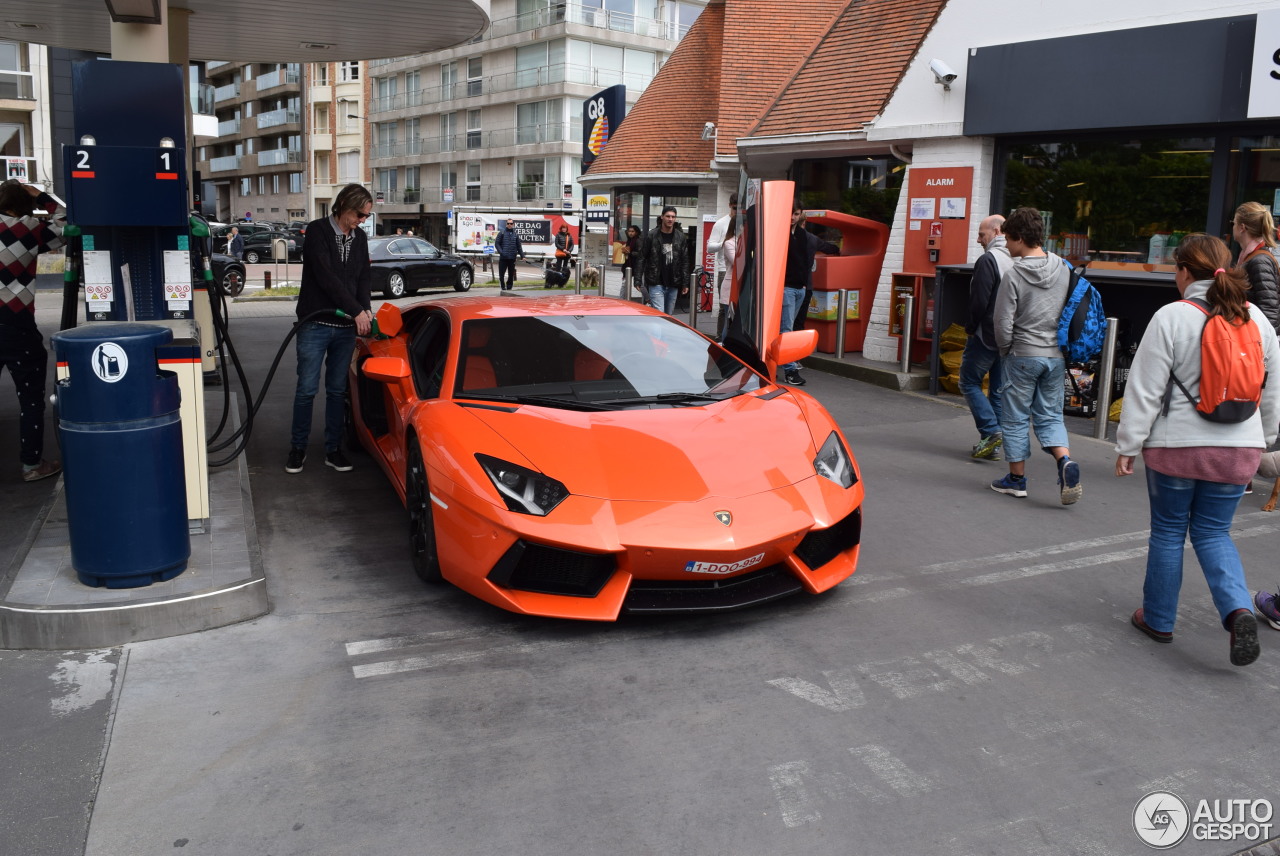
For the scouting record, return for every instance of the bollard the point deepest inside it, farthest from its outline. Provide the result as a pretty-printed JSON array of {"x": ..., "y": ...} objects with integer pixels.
[
  {"x": 266, "y": 279},
  {"x": 908, "y": 302},
  {"x": 693, "y": 300},
  {"x": 842, "y": 306},
  {"x": 1105, "y": 372}
]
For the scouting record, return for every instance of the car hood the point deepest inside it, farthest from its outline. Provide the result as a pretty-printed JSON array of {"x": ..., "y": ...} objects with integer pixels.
[{"x": 740, "y": 447}]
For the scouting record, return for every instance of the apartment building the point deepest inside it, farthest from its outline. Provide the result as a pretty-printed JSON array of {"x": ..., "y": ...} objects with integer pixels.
[
  {"x": 498, "y": 121},
  {"x": 257, "y": 163}
]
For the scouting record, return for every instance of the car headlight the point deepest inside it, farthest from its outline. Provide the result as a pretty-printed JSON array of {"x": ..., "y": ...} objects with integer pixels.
[
  {"x": 523, "y": 490},
  {"x": 833, "y": 462}
]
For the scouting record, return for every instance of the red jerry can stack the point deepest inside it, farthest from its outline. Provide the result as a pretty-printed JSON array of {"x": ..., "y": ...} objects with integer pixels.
[{"x": 856, "y": 270}]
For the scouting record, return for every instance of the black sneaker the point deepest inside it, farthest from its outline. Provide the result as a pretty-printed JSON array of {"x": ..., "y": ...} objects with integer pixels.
[
  {"x": 337, "y": 460},
  {"x": 297, "y": 457},
  {"x": 793, "y": 378}
]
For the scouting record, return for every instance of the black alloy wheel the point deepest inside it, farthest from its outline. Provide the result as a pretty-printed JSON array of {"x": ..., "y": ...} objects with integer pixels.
[
  {"x": 422, "y": 531},
  {"x": 395, "y": 284}
]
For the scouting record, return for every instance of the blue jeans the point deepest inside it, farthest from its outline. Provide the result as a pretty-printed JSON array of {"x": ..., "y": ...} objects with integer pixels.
[
  {"x": 792, "y": 298},
  {"x": 1031, "y": 397},
  {"x": 332, "y": 346},
  {"x": 977, "y": 361},
  {"x": 663, "y": 298},
  {"x": 1205, "y": 509}
]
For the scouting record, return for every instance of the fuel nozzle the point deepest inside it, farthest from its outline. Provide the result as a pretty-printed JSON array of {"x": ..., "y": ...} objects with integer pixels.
[{"x": 374, "y": 332}]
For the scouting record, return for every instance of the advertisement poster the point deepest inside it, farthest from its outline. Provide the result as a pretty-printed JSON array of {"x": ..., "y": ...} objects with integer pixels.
[{"x": 477, "y": 229}]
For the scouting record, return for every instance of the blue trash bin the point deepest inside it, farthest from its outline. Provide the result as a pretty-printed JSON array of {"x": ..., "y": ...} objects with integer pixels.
[{"x": 121, "y": 437}]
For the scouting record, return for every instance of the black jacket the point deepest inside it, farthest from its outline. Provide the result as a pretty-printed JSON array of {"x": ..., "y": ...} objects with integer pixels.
[
  {"x": 802, "y": 250},
  {"x": 1264, "y": 284},
  {"x": 651, "y": 258},
  {"x": 982, "y": 294},
  {"x": 508, "y": 245},
  {"x": 327, "y": 283}
]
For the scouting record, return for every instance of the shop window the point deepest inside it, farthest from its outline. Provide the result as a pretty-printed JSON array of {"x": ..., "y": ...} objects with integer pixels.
[{"x": 1114, "y": 200}]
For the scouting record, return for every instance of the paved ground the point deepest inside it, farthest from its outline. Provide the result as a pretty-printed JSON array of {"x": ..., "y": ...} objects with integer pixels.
[{"x": 975, "y": 688}]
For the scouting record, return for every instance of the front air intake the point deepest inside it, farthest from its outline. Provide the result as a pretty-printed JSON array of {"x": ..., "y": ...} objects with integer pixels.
[
  {"x": 822, "y": 545},
  {"x": 552, "y": 570}
]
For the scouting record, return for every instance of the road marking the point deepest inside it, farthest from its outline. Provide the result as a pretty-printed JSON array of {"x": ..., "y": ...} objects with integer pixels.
[
  {"x": 892, "y": 771},
  {"x": 844, "y": 693},
  {"x": 800, "y": 789}
]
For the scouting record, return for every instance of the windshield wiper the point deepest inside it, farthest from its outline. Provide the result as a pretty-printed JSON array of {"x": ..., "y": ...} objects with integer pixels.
[
  {"x": 675, "y": 398},
  {"x": 542, "y": 400}
]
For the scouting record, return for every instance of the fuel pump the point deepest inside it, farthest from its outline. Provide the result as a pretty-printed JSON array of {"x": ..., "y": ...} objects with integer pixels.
[{"x": 127, "y": 192}]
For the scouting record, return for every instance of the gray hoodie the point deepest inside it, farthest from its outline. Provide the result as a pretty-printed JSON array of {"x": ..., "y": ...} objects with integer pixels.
[{"x": 1028, "y": 306}]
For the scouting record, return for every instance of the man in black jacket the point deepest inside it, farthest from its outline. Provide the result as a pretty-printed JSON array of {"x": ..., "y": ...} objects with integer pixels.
[
  {"x": 802, "y": 249},
  {"x": 980, "y": 357},
  {"x": 507, "y": 243},
  {"x": 667, "y": 262},
  {"x": 335, "y": 278}
]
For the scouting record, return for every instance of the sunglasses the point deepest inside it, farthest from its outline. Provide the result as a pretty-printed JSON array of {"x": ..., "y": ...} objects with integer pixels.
[{"x": 362, "y": 216}]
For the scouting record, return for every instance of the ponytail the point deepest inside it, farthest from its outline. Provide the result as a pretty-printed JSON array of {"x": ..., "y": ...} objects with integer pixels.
[{"x": 1206, "y": 257}]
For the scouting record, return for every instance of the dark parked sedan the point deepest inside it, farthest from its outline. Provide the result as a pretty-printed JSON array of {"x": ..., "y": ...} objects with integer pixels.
[
  {"x": 229, "y": 271},
  {"x": 403, "y": 265},
  {"x": 257, "y": 247}
]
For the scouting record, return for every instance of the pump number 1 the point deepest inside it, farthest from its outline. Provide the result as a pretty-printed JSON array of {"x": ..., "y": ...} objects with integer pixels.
[{"x": 167, "y": 164}]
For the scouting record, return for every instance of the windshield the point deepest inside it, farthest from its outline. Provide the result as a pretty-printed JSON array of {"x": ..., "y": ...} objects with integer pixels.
[{"x": 596, "y": 362}]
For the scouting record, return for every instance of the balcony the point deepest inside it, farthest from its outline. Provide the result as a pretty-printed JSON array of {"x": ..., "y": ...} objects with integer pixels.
[
  {"x": 525, "y": 135},
  {"x": 227, "y": 92},
  {"x": 16, "y": 86},
  {"x": 279, "y": 77},
  {"x": 215, "y": 63},
  {"x": 276, "y": 157},
  {"x": 203, "y": 99},
  {"x": 587, "y": 16},
  {"x": 224, "y": 164},
  {"x": 228, "y": 127},
  {"x": 275, "y": 118},
  {"x": 547, "y": 75}
]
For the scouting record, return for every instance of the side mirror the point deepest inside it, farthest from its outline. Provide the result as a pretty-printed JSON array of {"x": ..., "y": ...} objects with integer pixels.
[
  {"x": 389, "y": 369},
  {"x": 390, "y": 321},
  {"x": 793, "y": 347}
]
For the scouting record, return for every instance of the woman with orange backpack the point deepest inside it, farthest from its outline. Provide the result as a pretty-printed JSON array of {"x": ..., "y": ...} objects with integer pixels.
[{"x": 1196, "y": 464}]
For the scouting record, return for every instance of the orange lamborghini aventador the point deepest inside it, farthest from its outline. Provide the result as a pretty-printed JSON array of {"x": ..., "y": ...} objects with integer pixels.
[{"x": 580, "y": 457}]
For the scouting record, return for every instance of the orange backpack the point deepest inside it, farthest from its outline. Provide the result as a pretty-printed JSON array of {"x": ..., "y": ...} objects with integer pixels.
[{"x": 1232, "y": 368}]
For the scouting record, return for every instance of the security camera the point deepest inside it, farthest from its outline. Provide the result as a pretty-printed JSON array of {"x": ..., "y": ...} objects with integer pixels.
[{"x": 942, "y": 73}]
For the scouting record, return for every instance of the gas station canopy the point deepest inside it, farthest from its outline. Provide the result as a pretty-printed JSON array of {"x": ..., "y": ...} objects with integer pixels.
[{"x": 256, "y": 31}]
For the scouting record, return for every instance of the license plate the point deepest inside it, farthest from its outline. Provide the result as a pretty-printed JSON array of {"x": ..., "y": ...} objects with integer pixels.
[{"x": 722, "y": 568}]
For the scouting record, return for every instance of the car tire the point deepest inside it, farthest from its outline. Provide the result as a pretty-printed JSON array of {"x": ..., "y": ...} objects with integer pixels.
[
  {"x": 465, "y": 278},
  {"x": 350, "y": 440},
  {"x": 395, "y": 284},
  {"x": 422, "y": 532},
  {"x": 251, "y": 257},
  {"x": 233, "y": 282}
]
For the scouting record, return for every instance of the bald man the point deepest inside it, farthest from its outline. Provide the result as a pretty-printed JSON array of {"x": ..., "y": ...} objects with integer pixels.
[{"x": 980, "y": 355}]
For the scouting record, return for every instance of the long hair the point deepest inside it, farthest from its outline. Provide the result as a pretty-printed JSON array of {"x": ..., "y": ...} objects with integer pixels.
[
  {"x": 353, "y": 197},
  {"x": 15, "y": 200},
  {"x": 1257, "y": 221},
  {"x": 1207, "y": 257}
]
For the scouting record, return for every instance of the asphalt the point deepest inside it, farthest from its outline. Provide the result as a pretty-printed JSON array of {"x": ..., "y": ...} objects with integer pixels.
[{"x": 974, "y": 688}]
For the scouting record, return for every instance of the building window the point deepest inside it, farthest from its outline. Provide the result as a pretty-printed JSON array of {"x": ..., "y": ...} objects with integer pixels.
[
  {"x": 320, "y": 119},
  {"x": 262, "y": 185},
  {"x": 1109, "y": 197},
  {"x": 448, "y": 129},
  {"x": 413, "y": 136},
  {"x": 448, "y": 181},
  {"x": 245, "y": 185},
  {"x": 413, "y": 184},
  {"x": 448, "y": 80},
  {"x": 295, "y": 183},
  {"x": 348, "y": 72},
  {"x": 473, "y": 181},
  {"x": 319, "y": 74},
  {"x": 537, "y": 178},
  {"x": 475, "y": 136},
  {"x": 322, "y": 168},
  {"x": 348, "y": 167},
  {"x": 539, "y": 121},
  {"x": 275, "y": 182},
  {"x": 475, "y": 75}
]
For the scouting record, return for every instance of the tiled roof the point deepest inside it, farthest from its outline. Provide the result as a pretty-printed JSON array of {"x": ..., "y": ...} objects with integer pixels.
[{"x": 851, "y": 74}]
